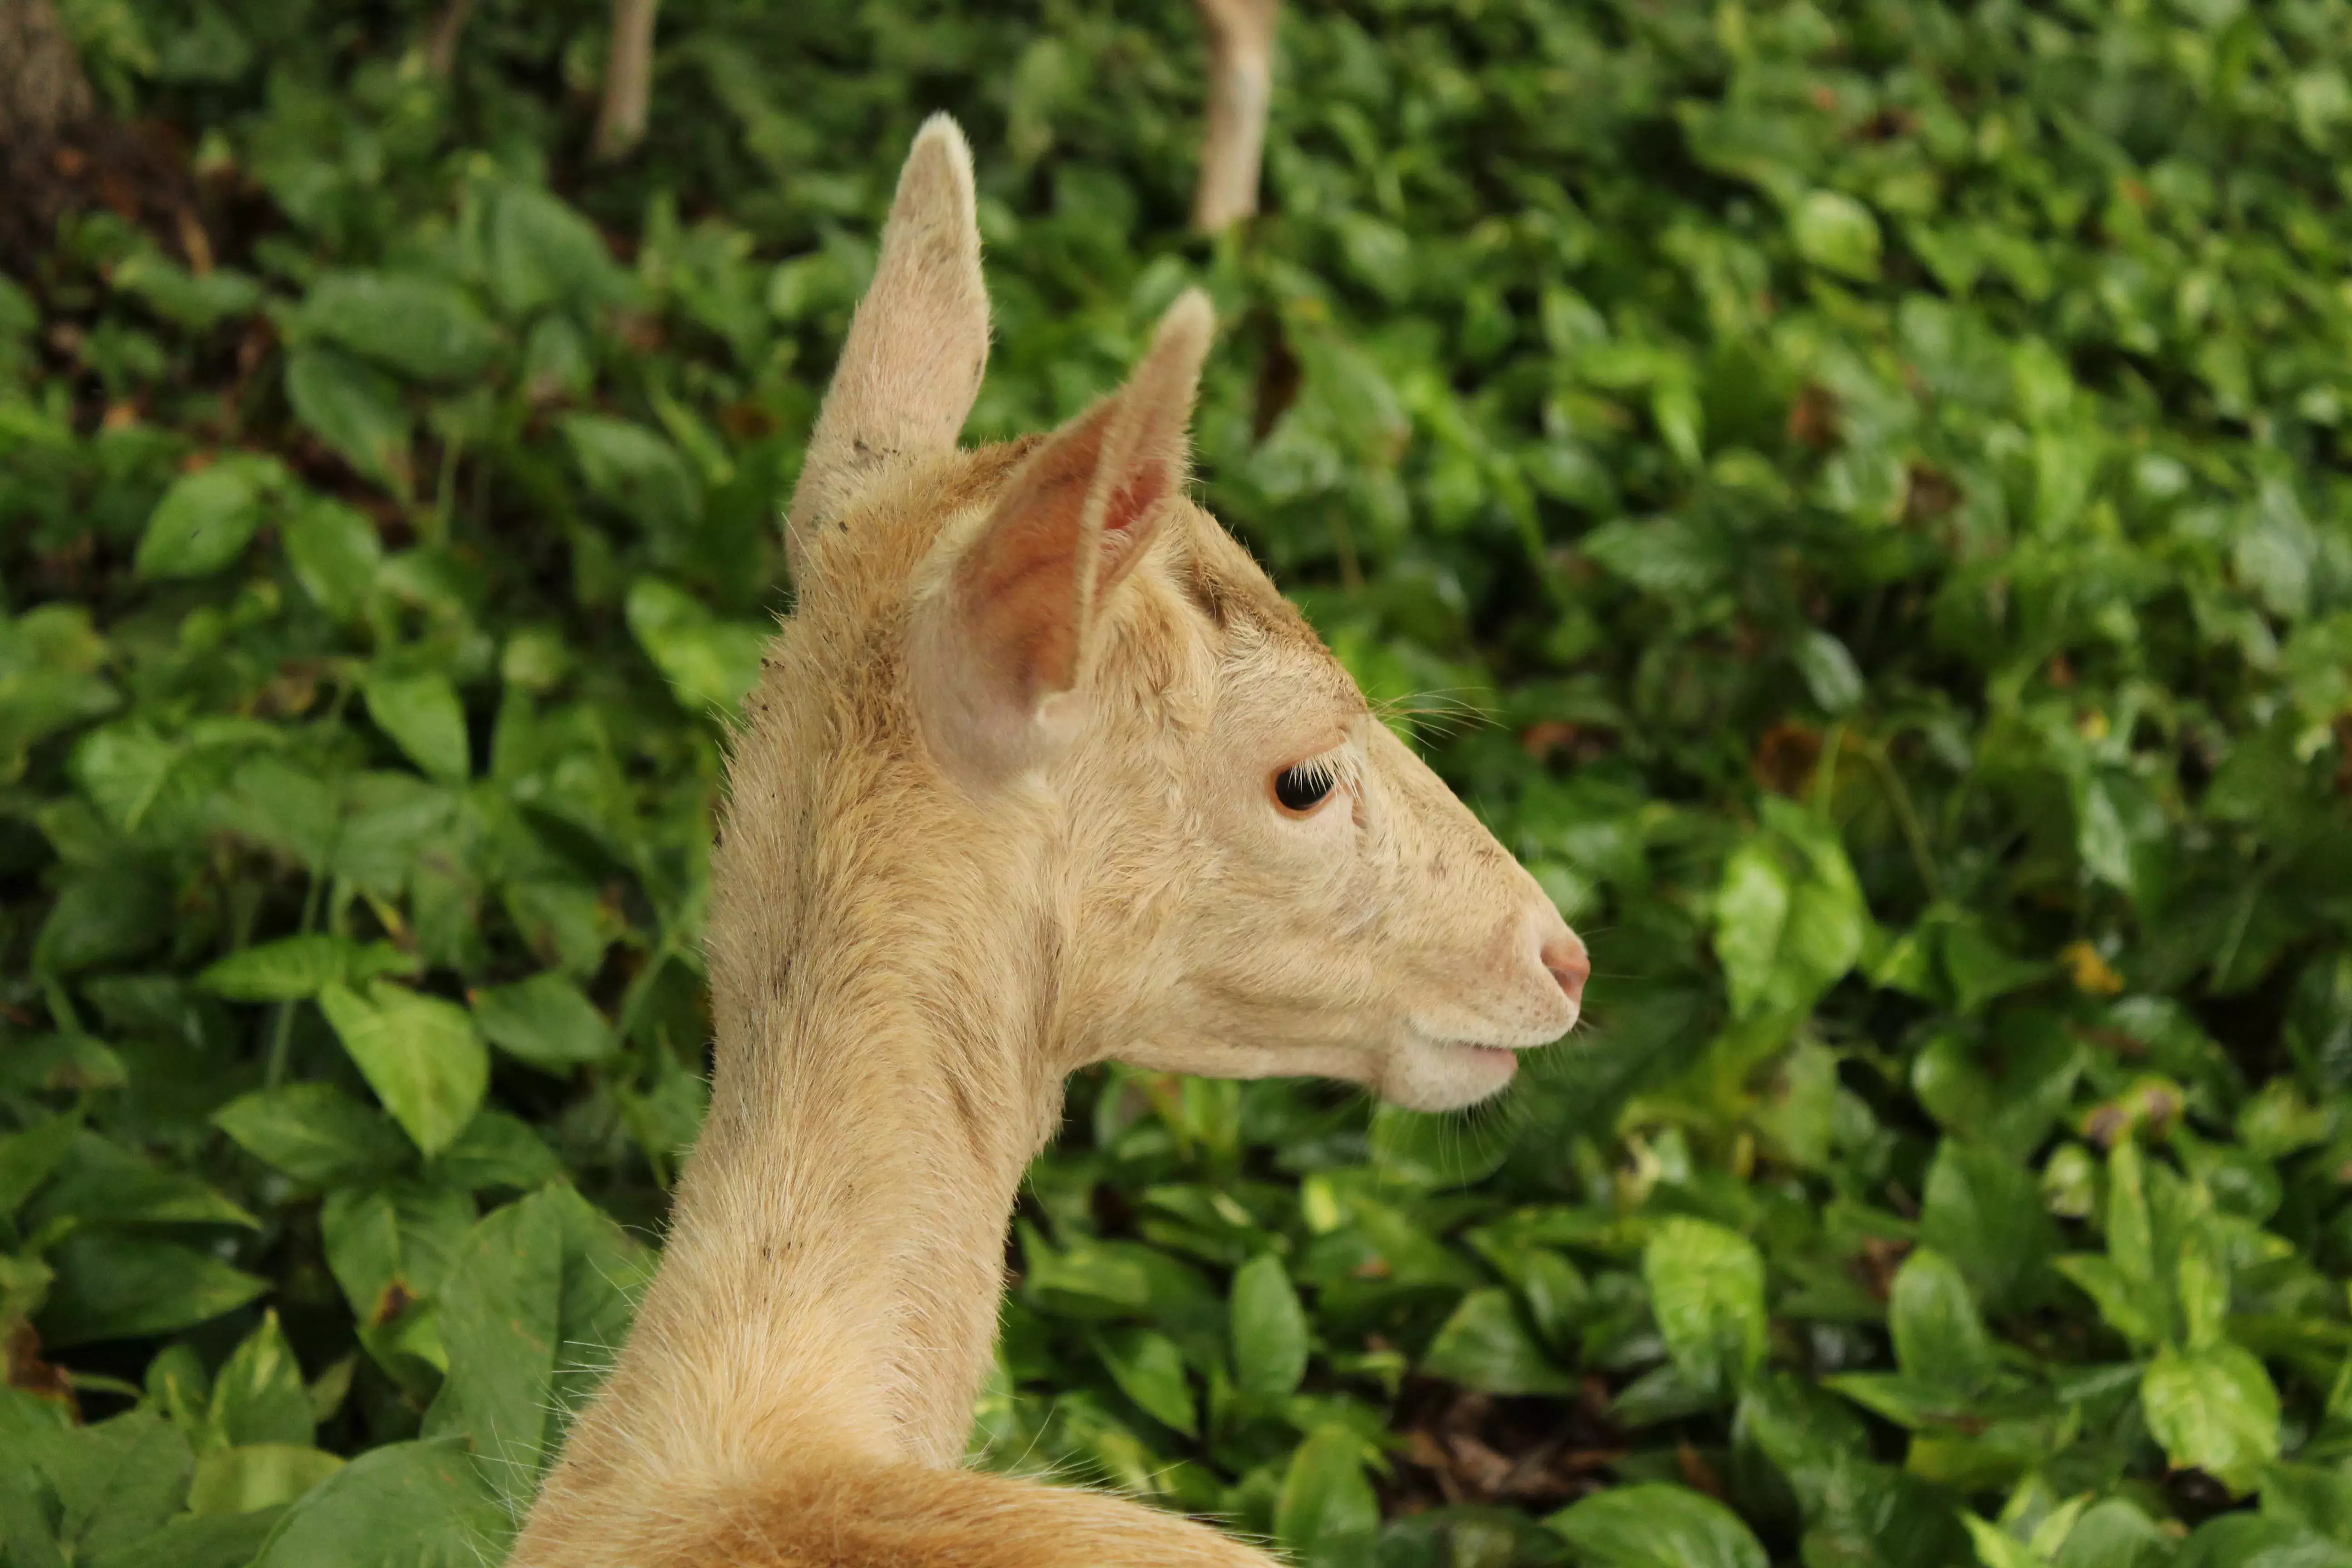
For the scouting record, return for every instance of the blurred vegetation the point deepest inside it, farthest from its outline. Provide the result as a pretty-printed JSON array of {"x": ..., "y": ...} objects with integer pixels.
[{"x": 1852, "y": 492}]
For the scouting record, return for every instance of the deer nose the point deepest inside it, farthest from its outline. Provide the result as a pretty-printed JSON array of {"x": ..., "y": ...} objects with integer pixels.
[{"x": 1570, "y": 964}]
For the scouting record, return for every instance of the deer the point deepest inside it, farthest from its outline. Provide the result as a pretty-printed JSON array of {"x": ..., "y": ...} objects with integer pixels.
[{"x": 1040, "y": 771}]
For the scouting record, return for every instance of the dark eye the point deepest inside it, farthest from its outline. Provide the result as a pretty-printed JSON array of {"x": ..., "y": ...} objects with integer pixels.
[{"x": 1303, "y": 787}]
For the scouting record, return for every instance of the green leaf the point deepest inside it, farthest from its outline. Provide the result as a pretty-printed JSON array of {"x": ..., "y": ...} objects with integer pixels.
[
  {"x": 356, "y": 411},
  {"x": 2123, "y": 1303},
  {"x": 542, "y": 252},
  {"x": 219, "y": 1541},
  {"x": 499, "y": 1320},
  {"x": 636, "y": 471},
  {"x": 406, "y": 1505},
  {"x": 422, "y": 714},
  {"x": 1790, "y": 916},
  {"x": 106, "y": 915},
  {"x": 203, "y": 523},
  {"x": 314, "y": 1132},
  {"x": 1939, "y": 1338},
  {"x": 1829, "y": 672},
  {"x": 1326, "y": 1511},
  {"x": 27, "y": 1158},
  {"x": 258, "y": 1397},
  {"x": 418, "y": 326},
  {"x": 115, "y": 1481},
  {"x": 1150, "y": 1370},
  {"x": 498, "y": 1150},
  {"x": 710, "y": 662},
  {"x": 1269, "y": 1328},
  {"x": 297, "y": 968},
  {"x": 1982, "y": 1209},
  {"x": 1438, "y": 1151},
  {"x": 1996, "y": 1548},
  {"x": 2115, "y": 1534},
  {"x": 261, "y": 1476},
  {"x": 1707, "y": 1290},
  {"x": 1485, "y": 1345},
  {"x": 1658, "y": 1526},
  {"x": 100, "y": 1181},
  {"x": 420, "y": 1054},
  {"x": 1837, "y": 234},
  {"x": 547, "y": 1021},
  {"x": 2214, "y": 1409},
  {"x": 117, "y": 1285},
  {"x": 335, "y": 552}
]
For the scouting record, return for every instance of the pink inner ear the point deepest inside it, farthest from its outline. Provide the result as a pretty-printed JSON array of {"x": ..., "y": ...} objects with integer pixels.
[{"x": 1132, "y": 501}]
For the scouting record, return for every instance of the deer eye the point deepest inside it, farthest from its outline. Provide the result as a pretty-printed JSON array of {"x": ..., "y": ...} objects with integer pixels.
[{"x": 1301, "y": 788}]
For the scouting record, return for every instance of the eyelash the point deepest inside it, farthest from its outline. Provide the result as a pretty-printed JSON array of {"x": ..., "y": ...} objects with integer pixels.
[{"x": 1302, "y": 787}]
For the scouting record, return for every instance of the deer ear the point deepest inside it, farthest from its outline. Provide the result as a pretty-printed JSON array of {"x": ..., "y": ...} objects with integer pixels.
[
  {"x": 911, "y": 364},
  {"x": 1014, "y": 625}
]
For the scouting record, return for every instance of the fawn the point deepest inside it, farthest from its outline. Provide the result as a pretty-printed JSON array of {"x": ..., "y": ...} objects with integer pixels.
[{"x": 1042, "y": 771}]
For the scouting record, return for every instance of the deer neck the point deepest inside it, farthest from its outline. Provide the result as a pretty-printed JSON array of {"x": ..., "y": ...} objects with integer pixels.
[{"x": 882, "y": 985}]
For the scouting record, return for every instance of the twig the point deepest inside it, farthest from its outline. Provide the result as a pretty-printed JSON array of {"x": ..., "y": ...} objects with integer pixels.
[
  {"x": 628, "y": 80},
  {"x": 441, "y": 42},
  {"x": 1241, "y": 88}
]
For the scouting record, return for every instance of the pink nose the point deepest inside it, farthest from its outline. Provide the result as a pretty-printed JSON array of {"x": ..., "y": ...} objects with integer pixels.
[{"x": 1565, "y": 956}]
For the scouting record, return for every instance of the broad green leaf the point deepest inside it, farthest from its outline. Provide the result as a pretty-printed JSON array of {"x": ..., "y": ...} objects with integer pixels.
[
  {"x": 193, "y": 1541},
  {"x": 258, "y": 1397},
  {"x": 314, "y": 1132},
  {"x": 257, "y": 1476},
  {"x": 1658, "y": 1526},
  {"x": 544, "y": 252},
  {"x": 499, "y": 1322},
  {"x": 1326, "y": 1511},
  {"x": 418, "y": 326},
  {"x": 1982, "y": 1209},
  {"x": 2249, "y": 1540},
  {"x": 115, "y": 1481},
  {"x": 1751, "y": 911},
  {"x": 1485, "y": 1345},
  {"x": 497, "y": 1150},
  {"x": 422, "y": 714},
  {"x": 1996, "y": 1548},
  {"x": 1707, "y": 1290},
  {"x": 1939, "y": 1338},
  {"x": 420, "y": 1054},
  {"x": 120, "y": 1285},
  {"x": 335, "y": 552},
  {"x": 546, "y": 1021},
  {"x": 636, "y": 470},
  {"x": 2124, "y": 1303},
  {"x": 2115, "y": 1534},
  {"x": 406, "y": 1505},
  {"x": 1438, "y": 1151},
  {"x": 203, "y": 523},
  {"x": 710, "y": 663},
  {"x": 1837, "y": 234},
  {"x": 1269, "y": 1328},
  {"x": 27, "y": 1158},
  {"x": 355, "y": 410},
  {"x": 51, "y": 659},
  {"x": 1829, "y": 672},
  {"x": 1790, "y": 918},
  {"x": 1150, "y": 1370},
  {"x": 2215, "y": 1409},
  {"x": 99, "y": 1180},
  {"x": 107, "y": 915},
  {"x": 196, "y": 300},
  {"x": 297, "y": 968}
]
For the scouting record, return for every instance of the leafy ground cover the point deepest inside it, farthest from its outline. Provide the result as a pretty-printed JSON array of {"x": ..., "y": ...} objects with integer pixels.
[{"x": 1852, "y": 492}]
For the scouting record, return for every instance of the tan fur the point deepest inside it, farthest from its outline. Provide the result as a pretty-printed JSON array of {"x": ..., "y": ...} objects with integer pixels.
[{"x": 1002, "y": 808}]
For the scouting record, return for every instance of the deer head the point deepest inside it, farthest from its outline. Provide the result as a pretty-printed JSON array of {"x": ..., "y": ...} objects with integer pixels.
[{"x": 1241, "y": 871}]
